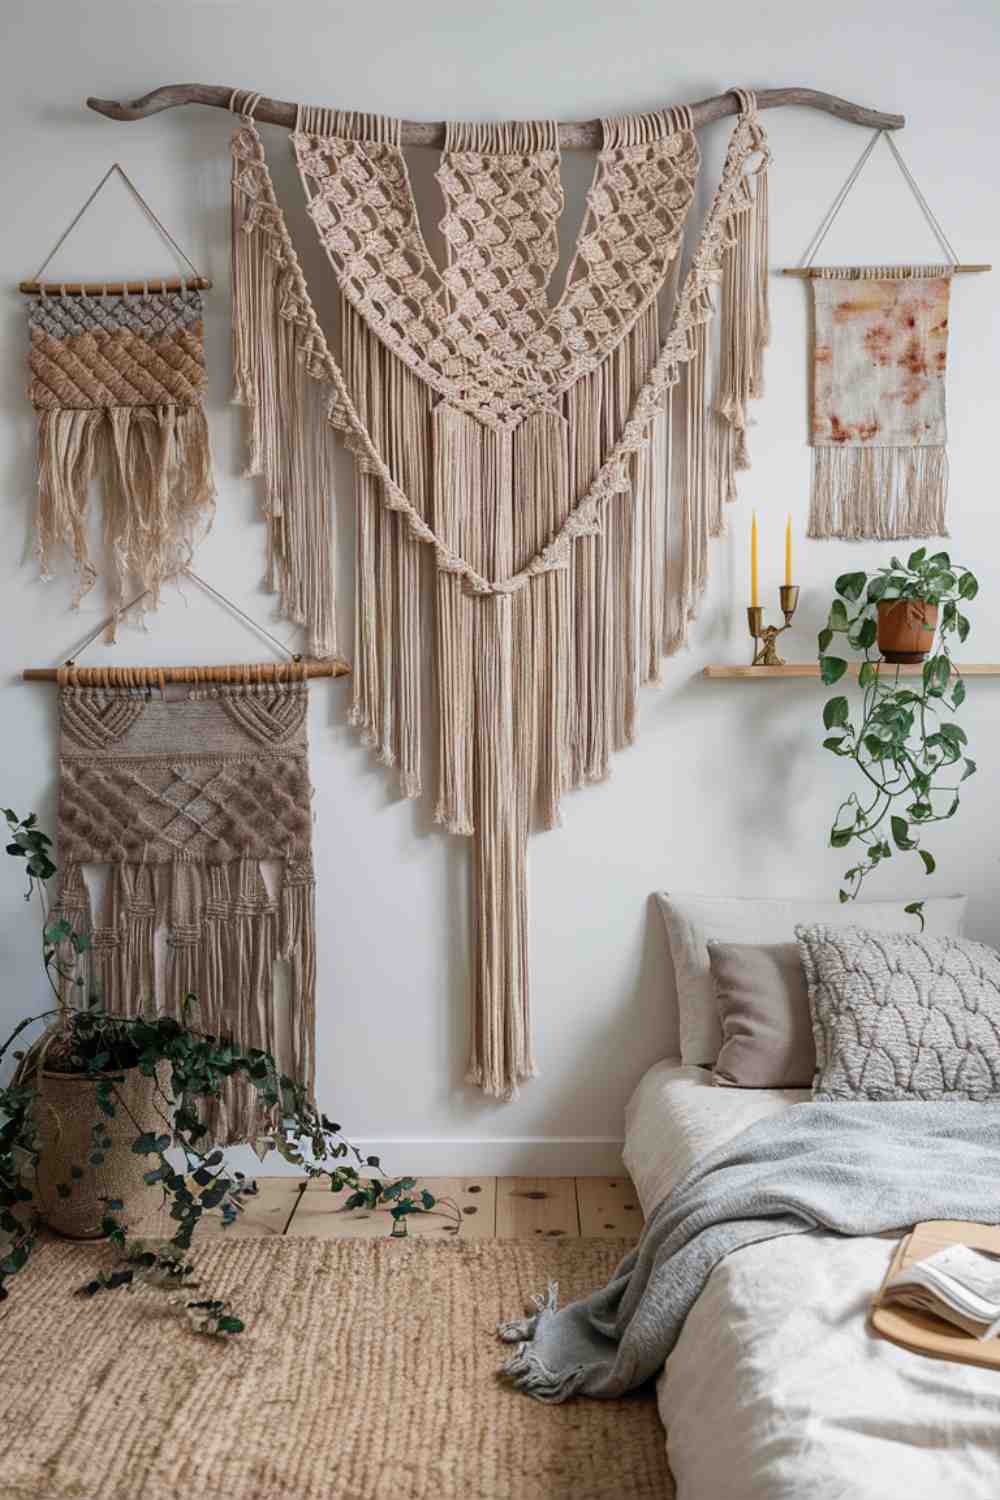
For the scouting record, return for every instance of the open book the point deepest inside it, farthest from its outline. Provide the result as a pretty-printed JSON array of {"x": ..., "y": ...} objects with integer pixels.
[{"x": 958, "y": 1284}]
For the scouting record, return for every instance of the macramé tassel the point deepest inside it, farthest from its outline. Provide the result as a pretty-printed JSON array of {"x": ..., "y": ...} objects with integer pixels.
[
  {"x": 388, "y": 625},
  {"x": 744, "y": 331},
  {"x": 500, "y": 1051},
  {"x": 155, "y": 466},
  {"x": 886, "y": 494},
  {"x": 290, "y": 443}
]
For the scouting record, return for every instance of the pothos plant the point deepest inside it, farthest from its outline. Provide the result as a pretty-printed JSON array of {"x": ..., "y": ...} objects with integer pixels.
[
  {"x": 909, "y": 751},
  {"x": 85, "y": 1039}
]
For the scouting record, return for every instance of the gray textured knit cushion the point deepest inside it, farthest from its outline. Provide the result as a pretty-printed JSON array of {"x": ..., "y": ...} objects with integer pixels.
[{"x": 897, "y": 1016}]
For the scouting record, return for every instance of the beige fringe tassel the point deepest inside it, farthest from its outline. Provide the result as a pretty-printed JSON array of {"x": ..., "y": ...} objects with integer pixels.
[
  {"x": 888, "y": 494},
  {"x": 744, "y": 332},
  {"x": 223, "y": 933},
  {"x": 388, "y": 627},
  {"x": 538, "y": 686},
  {"x": 713, "y": 435},
  {"x": 156, "y": 470},
  {"x": 290, "y": 444}
]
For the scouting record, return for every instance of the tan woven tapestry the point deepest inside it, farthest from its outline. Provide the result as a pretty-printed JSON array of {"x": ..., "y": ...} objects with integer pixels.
[
  {"x": 531, "y": 444},
  {"x": 183, "y": 800},
  {"x": 880, "y": 466},
  {"x": 117, "y": 382}
]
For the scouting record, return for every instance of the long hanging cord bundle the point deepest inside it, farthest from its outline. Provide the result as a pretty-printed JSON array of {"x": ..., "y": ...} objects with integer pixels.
[
  {"x": 528, "y": 446},
  {"x": 117, "y": 381}
]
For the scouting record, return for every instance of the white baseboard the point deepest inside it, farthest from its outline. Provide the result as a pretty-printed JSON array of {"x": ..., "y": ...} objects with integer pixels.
[{"x": 514, "y": 1156}]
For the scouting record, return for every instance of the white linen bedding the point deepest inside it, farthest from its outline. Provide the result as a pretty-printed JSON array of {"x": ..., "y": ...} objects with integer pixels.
[{"x": 776, "y": 1389}]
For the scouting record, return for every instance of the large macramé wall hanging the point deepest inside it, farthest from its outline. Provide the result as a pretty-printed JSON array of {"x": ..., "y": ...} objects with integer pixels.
[
  {"x": 534, "y": 449},
  {"x": 117, "y": 382},
  {"x": 880, "y": 350},
  {"x": 181, "y": 796}
]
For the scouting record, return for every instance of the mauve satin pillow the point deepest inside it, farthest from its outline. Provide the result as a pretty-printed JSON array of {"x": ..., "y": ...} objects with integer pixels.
[{"x": 763, "y": 1000}]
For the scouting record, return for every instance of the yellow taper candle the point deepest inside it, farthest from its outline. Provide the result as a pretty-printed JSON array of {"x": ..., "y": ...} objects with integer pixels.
[
  {"x": 788, "y": 553},
  {"x": 754, "y": 599}
]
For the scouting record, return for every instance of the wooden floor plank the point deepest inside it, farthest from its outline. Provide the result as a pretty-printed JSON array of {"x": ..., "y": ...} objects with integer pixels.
[
  {"x": 320, "y": 1212},
  {"x": 608, "y": 1206},
  {"x": 531, "y": 1206},
  {"x": 504, "y": 1207},
  {"x": 265, "y": 1212}
]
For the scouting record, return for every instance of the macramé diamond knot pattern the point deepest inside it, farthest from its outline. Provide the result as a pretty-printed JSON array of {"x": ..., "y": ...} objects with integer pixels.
[
  {"x": 482, "y": 332},
  {"x": 184, "y": 802},
  {"x": 529, "y": 442}
]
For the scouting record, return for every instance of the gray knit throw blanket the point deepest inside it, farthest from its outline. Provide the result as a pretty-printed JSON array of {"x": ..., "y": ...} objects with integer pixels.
[{"x": 856, "y": 1169}]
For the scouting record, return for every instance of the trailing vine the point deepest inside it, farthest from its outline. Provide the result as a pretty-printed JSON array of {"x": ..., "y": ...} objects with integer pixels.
[
  {"x": 88, "y": 1040},
  {"x": 912, "y": 759}
]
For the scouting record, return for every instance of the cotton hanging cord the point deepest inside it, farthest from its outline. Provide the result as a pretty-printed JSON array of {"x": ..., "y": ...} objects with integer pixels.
[
  {"x": 942, "y": 238},
  {"x": 158, "y": 223},
  {"x": 838, "y": 202},
  {"x": 223, "y": 599},
  {"x": 110, "y": 625},
  {"x": 248, "y": 619},
  {"x": 827, "y": 221}
]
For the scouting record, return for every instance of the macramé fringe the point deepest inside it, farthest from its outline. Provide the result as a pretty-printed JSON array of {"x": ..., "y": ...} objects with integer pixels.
[
  {"x": 564, "y": 569},
  {"x": 887, "y": 494},
  {"x": 155, "y": 467}
]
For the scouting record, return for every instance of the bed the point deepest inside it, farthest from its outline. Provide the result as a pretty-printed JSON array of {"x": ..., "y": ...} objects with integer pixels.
[{"x": 775, "y": 1387}]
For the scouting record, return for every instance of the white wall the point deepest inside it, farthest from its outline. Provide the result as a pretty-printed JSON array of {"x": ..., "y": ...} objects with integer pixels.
[{"x": 727, "y": 790}]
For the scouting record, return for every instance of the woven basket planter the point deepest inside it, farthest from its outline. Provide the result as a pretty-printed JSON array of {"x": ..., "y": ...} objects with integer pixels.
[{"x": 65, "y": 1111}]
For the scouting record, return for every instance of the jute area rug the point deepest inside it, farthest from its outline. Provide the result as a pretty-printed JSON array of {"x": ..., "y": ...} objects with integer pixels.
[{"x": 368, "y": 1370}]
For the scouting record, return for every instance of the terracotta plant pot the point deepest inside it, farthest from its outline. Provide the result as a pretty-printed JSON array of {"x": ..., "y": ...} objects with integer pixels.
[
  {"x": 65, "y": 1111},
  {"x": 906, "y": 629}
]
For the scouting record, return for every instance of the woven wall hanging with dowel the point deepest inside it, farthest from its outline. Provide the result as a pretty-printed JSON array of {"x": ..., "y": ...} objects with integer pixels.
[
  {"x": 880, "y": 350},
  {"x": 183, "y": 783},
  {"x": 117, "y": 381}
]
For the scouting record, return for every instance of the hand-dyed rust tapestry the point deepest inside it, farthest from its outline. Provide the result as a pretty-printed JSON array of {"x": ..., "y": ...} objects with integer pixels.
[{"x": 878, "y": 420}]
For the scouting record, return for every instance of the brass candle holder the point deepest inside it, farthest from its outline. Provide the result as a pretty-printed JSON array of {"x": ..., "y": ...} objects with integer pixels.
[{"x": 765, "y": 635}]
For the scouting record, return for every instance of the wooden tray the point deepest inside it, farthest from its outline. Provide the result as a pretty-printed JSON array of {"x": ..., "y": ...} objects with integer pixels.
[{"x": 922, "y": 1332}]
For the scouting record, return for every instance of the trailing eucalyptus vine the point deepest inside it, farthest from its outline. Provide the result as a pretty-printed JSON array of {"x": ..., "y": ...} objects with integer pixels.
[
  {"x": 911, "y": 756},
  {"x": 87, "y": 1040}
]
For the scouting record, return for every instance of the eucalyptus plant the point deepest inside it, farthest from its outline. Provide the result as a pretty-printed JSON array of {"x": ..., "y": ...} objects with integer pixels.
[
  {"x": 911, "y": 754},
  {"x": 85, "y": 1039}
]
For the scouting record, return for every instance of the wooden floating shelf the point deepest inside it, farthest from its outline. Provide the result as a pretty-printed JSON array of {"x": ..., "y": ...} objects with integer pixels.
[{"x": 811, "y": 669}]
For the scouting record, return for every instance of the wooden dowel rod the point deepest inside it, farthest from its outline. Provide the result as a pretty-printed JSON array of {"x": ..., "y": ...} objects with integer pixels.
[
  {"x": 237, "y": 672},
  {"x": 814, "y": 271},
  {"x": 573, "y": 136},
  {"x": 114, "y": 288}
]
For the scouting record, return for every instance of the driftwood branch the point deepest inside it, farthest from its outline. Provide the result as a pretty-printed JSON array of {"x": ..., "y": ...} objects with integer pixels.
[{"x": 573, "y": 136}]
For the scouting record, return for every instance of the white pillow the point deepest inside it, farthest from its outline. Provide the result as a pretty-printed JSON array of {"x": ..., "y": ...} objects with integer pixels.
[{"x": 694, "y": 921}]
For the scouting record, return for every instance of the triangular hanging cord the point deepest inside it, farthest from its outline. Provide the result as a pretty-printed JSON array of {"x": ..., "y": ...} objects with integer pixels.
[
  {"x": 200, "y": 283},
  {"x": 805, "y": 266},
  {"x": 297, "y": 666}
]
